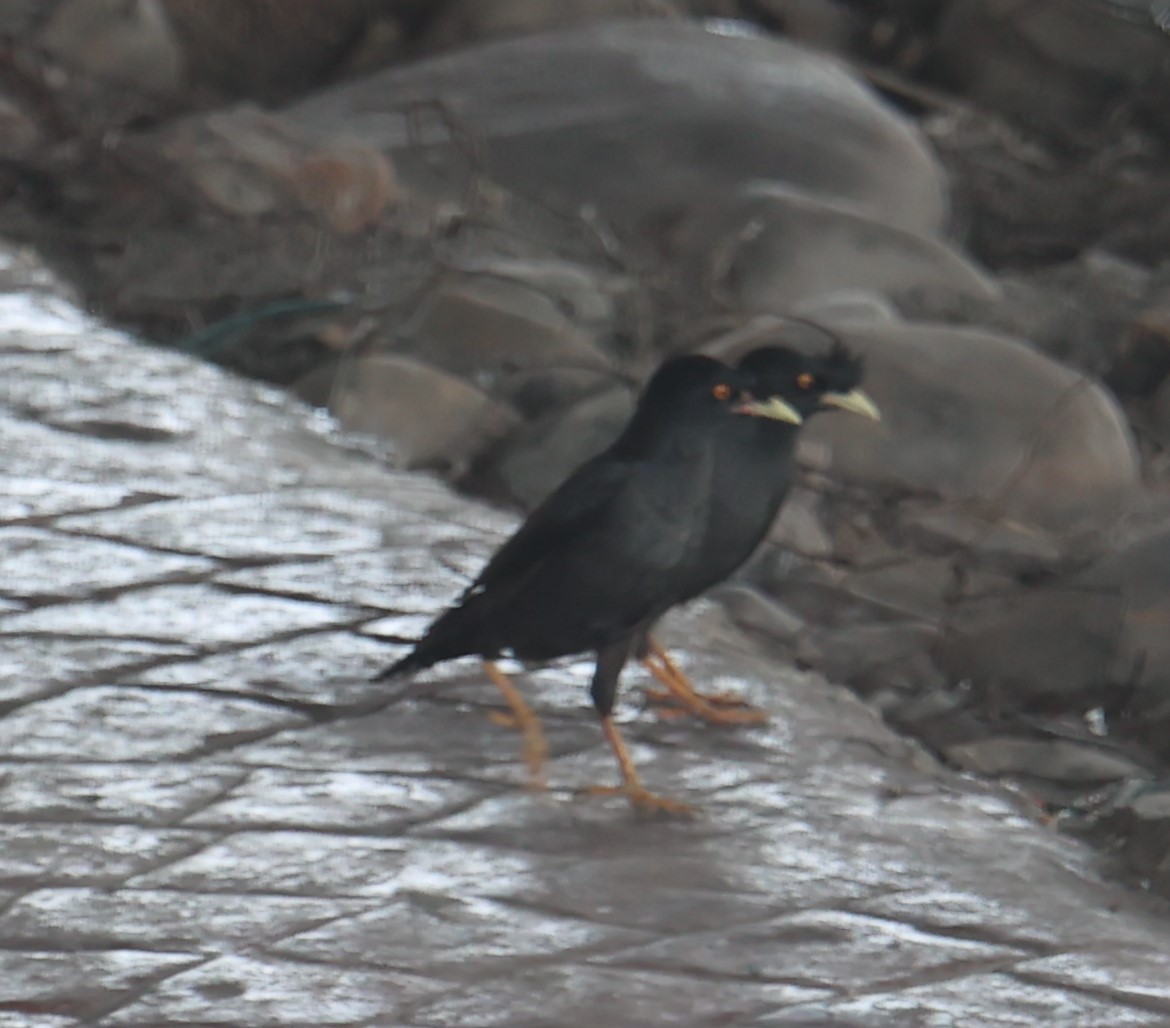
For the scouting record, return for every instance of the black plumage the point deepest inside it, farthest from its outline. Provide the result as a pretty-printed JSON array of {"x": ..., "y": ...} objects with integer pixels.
[
  {"x": 674, "y": 505},
  {"x": 755, "y": 458},
  {"x": 598, "y": 557},
  {"x": 755, "y": 466}
]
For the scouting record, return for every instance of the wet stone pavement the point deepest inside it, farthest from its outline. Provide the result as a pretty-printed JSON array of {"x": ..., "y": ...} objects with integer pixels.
[{"x": 209, "y": 815}]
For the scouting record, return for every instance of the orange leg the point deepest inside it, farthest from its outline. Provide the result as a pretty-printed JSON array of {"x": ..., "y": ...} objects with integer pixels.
[
  {"x": 681, "y": 692},
  {"x": 522, "y": 717},
  {"x": 632, "y": 788}
]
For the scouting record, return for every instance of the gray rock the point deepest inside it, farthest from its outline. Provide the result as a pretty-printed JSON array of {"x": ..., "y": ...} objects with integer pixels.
[
  {"x": 1117, "y": 38},
  {"x": 432, "y": 419},
  {"x": 21, "y": 271},
  {"x": 543, "y": 453},
  {"x": 132, "y": 44},
  {"x": 1073, "y": 311},
  {"x": 1051, "y": 642},
  {"x": 544, "y": 391},
  {"x": 1136, "y": 580},
  {"x": 1053, "y": 66},
  {"x": 489, "y": 329},
  {"x": 983, "y": 420},
  {"x": 914, "y": 587},
  {"x": 1062, "y": 760},
  {"x": 1007, "y": 545},
  {"x": 1134, "y": 819},
  {"x": 471, "y": 21},
  {"x": 1100, "y": 632},
  {"x": 316, "y": 387},
  {"x": 923, "y": 714},
  {"x": 1140, "y": 361},
  {"x": 756, "y": 611},
  {"x": 884, "y": 654},
  {"x": 825, "y": 24},
  {"x": 1160, "y": 413},
  {"x": 799, "y": 526},
  {"x": 1154, "y": 805},
  {"x": 644, "y": 120},
  {"x": 19, "y": 17},
  {"x": 845, "y": 307},
  {"x": 20, "y": 135},
  {"x": 266, "y": 49},
  {"x": 768, "y": 247},
  {"x": 246, "y": 162},
  {"x": 582, "y": 294}
]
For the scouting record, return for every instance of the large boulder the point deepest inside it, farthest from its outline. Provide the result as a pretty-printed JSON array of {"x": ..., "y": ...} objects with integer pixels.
[
  {"x": 487, "y": 328},
  {"x": 986, "y": 420},
  {"x": 1101, "y": 633},
  {"x": 767, "y": 248},
  {"x": 1058, "y": 65},
  {"x": 430, "y": 418},
  {"x": 462, "y": 22},
  {"x": 640, "y": 121}
]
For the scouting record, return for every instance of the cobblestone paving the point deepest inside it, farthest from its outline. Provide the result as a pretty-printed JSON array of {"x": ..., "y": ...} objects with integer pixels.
[{"x": 209, "y": 815}]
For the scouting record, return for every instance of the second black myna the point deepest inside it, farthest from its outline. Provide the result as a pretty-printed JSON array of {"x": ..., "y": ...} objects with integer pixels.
[{"x": 755, "y": 466}]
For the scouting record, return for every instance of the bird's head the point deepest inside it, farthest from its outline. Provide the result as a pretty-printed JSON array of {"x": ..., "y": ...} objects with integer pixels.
[
  {"x": 789, "y": 386},
  {"x": 694, "y": 386},
  {"x": 690, "y": 396}
]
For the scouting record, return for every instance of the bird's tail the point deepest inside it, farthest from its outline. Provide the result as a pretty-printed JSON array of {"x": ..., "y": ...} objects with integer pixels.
[
  {"x": 446, "y": 639},
  {"x": 408, "y": 665}
]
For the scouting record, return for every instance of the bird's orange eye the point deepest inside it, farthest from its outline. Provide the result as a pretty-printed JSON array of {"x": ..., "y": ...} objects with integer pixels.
[
  {"x": 722, "y": 391},
  {"x": 805, "y": 380}
]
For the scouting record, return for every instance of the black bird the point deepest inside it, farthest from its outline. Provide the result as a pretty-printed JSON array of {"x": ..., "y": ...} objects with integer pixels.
[
  {"x": 755, "y": 465},
  {"x": 612, "y": 549}
]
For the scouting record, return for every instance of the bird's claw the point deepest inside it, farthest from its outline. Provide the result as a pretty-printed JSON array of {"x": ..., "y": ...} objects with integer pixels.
[
  {"x": 717, "y": 709},
  {"x": 643, "y": 800},
  {"x": 535, "y": 748},
  {"x": 716, "y": 699},
  {"x": 725, "y": 699},
  {"x": 503, "y": 719},
  {"x": 681, "y": 697}
]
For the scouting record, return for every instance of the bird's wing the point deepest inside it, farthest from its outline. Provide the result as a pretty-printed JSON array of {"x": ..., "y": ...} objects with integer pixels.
[
  {"x": 600, "y": 556},
  {"x": 579, "y": 503},
  {"x": 647, "y": 515}
]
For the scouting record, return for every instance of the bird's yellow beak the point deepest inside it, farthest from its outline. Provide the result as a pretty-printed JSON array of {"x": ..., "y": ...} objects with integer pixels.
[
  {"x": 773, "y": 408},
  {"x": 855, "y": 401}
]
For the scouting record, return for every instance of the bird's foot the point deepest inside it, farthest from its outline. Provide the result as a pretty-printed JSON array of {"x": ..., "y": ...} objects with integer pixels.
[
  {"x": 534, "y": 749},
  {"x": 643, "y": 800},
  {"x": 714, "y": 708},
  {"x": 716, "y": 699},
  {"x": 681, "y": 697},
  {"x": 503, "y": 719},
  {"x": 535, "y": 753}
]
